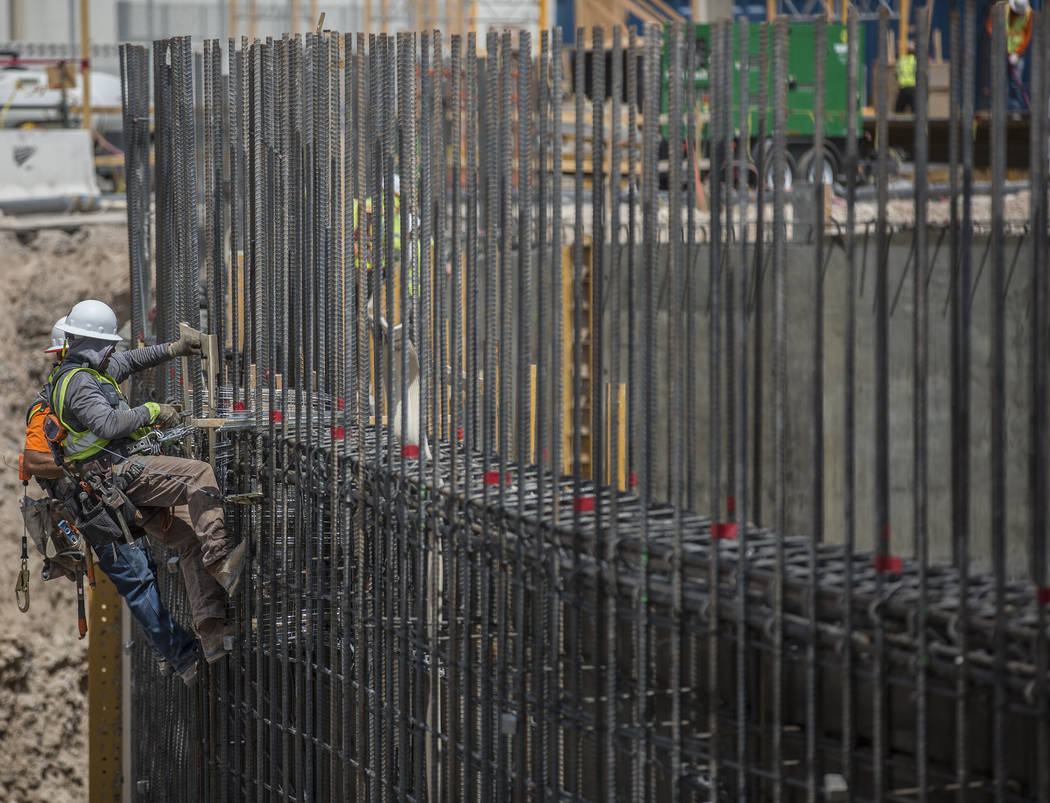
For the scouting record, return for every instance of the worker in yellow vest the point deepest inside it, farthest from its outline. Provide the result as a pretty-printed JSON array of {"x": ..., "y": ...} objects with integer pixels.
[
  {"x": 1018, "y": 35},
  {"x": 906, "y": 81},
  {"x": 366, "y": 234}
]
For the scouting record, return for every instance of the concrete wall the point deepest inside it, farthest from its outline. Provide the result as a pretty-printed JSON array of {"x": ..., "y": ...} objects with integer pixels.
[{"x": 800, "y": 312}]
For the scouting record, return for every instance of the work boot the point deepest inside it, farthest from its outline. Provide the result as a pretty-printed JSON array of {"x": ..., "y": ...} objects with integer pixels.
[
  {"x": 189, "y": 673},
  {"x": 228, "y": 571},
  {"x": 216, "y": 639}
]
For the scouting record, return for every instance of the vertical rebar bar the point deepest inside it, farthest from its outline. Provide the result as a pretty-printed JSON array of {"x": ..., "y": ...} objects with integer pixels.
[
  {"x": 674, "y": 36},
  {"x": 920, "y": 355},
  {"x": 765, "y": 35},
  {"x": 739, "y": 479},
  {"x": 849, "y": 394},
  {"x": 813, "y": 673},
  {"x": 780, "y": 56},
  {"x": 961, "y": 403},
  {"x": 997, "y": 386},
  {"x": 1038, "y": 441}
]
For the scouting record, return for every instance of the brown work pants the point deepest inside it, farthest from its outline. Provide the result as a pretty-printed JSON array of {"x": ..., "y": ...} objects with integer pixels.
[
  {"x": 206, "y": 597},
  {"x": 198, "y": 530}
]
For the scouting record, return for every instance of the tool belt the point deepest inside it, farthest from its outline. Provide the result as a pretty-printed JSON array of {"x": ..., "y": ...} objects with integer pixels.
[{"x": 98, "y": 505}]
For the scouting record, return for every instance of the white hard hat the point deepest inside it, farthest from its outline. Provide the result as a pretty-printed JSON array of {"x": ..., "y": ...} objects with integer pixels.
[
  {"x": 92, "y": 319},
  {"x": 1019, "y": 6},
  {"x": 58, "y": 337}
]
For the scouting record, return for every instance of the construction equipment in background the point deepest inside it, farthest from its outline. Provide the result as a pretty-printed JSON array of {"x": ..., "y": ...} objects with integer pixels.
[
  {"x": 49, "y": 92},
  {"x": 801, "y": 162}
]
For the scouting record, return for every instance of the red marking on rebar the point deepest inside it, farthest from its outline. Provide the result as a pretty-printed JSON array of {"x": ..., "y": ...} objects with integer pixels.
[
  {"x": 181, "y": 381},
  {"x": 238, "y": 407},
  {"x": 340, "y": 404},
  {"x": 632, "y": 480},
  {"x": 1042, "y": 595},
  {"x": 508, "y": 478},
  {"x": 888, "y": 564},
  {"x": 459, "y": 434},
  {"x": 172, "y": 372},
  {"x": 731, "y": 505},
  {"x": 338, "y": 432},
  {"x": 723, "y": 531},
  {"x": 490, "y": 478},
  {"x": 546, "y": 456},
  {"x": 583, "y": 504},
  {"x": 410, "y": 450},
  {"x": 276, "y": 416}
]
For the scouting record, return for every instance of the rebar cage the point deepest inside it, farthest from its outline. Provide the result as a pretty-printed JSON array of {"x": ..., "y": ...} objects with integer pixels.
[{"x": 486, "y": 357}]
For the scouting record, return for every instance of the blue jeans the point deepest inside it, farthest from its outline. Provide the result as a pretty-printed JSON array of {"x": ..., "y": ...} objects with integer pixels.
[
  {"x": 1016, "y": 99},
  {"x": 131, "y": 569}
]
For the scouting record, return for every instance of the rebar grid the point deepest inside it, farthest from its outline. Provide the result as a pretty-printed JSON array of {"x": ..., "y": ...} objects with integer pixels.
[{"x": 444, "y": 600}]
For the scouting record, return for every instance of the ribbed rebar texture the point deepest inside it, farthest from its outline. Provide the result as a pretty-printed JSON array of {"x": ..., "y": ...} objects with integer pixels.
[{"x": 522, "y": 379}]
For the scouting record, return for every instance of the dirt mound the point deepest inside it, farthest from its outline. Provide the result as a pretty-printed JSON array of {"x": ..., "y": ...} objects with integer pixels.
[{"x": 43, "y": 666}]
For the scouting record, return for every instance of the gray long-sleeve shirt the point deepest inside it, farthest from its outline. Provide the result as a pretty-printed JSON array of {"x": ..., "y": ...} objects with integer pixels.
[{"x": 86, "y": 404}]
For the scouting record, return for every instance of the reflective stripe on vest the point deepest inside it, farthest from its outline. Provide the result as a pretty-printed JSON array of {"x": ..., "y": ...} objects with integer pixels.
[
  {"x": 80, "y": 445},
  {"x": 906, "y": 71},
  {"x": 1016, "y": 25}
]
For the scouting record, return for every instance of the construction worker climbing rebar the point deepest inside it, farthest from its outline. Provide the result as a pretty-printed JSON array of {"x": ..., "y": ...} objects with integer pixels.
[
  {"x": 1018, "y": 36},
  {"x": 130, "y": 567},
  {"x": 99, "y": 429}
]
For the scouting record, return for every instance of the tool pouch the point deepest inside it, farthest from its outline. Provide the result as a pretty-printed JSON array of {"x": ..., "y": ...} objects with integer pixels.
[
  {"x": 65, "y": 563},
  {"x": 37, "y": 515},
  {"x": 98, "y": 526}
]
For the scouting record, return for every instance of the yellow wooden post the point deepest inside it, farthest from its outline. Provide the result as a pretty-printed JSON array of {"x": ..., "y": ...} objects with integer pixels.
[
  {"x": 532, "y": 413},
  {"x": 253, "y": 20},
  {"x": 902, "y": 39},
  {"x": 85, "y": 55},
  {"x": 104, "y": 693}
]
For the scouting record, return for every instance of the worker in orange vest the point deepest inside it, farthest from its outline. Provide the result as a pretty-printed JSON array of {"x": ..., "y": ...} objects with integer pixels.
[{"x": 1018, "y": 35}]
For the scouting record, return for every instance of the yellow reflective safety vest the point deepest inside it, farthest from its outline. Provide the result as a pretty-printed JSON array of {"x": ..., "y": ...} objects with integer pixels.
[
  {"x": 1016, "y": 28},
  {"x": 82, "y": 444},
  {"x": 366, "y": 237},
  {"x": 906, "y": 71}
]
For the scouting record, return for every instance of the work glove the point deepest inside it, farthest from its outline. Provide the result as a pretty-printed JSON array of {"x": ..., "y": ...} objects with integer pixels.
[
  {"x": 188, "y": 344},
  {"x": 1013, "y": 59},
  {"x": 163, "y": 415}
]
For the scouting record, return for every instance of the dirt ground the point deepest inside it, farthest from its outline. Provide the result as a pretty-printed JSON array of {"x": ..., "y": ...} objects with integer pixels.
[{"x": 43, "y": 666}]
